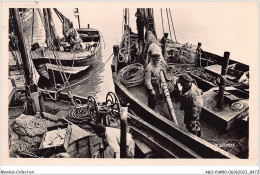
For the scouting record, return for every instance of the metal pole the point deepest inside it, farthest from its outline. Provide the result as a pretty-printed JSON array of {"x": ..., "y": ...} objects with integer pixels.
[{"x": 225, "y": 62}]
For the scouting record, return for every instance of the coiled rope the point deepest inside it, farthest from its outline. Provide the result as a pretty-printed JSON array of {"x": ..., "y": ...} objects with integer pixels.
[
  {"x": 132, "y": 75},
  {"x": 79, "y": 116}
]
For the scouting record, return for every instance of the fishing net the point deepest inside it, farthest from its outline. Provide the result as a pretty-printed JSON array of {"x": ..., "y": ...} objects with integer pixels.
[{"x": 29, "y": 130}]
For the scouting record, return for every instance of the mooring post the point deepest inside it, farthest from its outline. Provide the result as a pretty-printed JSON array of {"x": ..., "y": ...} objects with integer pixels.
[
  {"x": 225, "y": 62},
  {"x": 164, "y": 42},
  {"x": 123, "y": 123},
  {"x": 198, "y": 55}
]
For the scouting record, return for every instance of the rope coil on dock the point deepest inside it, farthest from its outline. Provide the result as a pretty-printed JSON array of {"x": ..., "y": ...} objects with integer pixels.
[{"x": 132, "y": 75}]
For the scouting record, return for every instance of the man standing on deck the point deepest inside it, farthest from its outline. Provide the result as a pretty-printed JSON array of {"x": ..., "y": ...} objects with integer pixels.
[
  {"x": 152, "y": 77},
  {"x": 111, "y": 137},
  {"x": 191, "y": 103}
]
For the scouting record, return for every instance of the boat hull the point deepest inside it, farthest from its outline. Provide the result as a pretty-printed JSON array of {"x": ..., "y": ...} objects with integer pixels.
[
  {"x": 71, "y": 68},
  {"x": 77, "y": 59}
]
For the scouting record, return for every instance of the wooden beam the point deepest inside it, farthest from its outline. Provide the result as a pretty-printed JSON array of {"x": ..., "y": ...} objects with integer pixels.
[{"x": 143, "y": 147}]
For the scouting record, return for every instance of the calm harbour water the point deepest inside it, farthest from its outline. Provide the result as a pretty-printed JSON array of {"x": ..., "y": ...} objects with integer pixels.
[{"x": 192, "y": 24}]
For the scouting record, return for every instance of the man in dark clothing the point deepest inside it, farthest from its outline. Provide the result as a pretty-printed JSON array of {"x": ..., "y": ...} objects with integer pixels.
[
  {"x": 191, "y": 103},
  {"x": 152, "y": 76},
  {"x": 73, "y": 39}
]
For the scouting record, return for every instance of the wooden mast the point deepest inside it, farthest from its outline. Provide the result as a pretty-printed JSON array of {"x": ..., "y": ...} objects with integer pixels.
[{"x": 32, "y": 94}]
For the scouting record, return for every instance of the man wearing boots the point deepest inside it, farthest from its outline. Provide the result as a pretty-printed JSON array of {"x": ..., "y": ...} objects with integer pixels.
[
  {"x": 152, "y": 79},
  {"x": 191, "y": 103}
]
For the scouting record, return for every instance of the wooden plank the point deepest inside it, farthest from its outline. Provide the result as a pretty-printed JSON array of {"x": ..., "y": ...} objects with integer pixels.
[
  {"x": 80, "y": 148},
  {"x": 83, "y": 142},
  {"x": 166, "y": 141},
  {"x": 156, "y": 146},
  {"x": 143, "y": 147},
  {"x": 78, "y": 133}
]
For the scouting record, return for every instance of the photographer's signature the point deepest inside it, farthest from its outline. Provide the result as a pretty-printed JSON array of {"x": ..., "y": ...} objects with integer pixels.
[{"x": 227, "y": 144}]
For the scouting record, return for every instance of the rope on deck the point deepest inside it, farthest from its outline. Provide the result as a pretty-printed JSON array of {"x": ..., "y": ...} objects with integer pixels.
[{"x": 132, "y": 75}]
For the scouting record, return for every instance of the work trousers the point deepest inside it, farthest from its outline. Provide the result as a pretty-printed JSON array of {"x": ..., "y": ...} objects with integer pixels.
[{"x": 151, "y": 99}]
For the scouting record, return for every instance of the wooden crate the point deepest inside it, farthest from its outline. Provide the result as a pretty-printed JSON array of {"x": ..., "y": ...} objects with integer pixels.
[{"x": 47, "y": 152}]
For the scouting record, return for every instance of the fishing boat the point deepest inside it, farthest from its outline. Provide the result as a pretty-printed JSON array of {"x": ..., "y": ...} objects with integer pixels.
[
  {"x": 60, "y": 60},
  {"x": 225, "y": 91}
]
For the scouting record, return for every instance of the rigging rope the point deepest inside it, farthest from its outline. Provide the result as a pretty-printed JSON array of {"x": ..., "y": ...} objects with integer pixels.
[
  {"x": 62, "y": 71},
  {"x": 89, "y": 75},
  {"x": 169, "y": 23},
  {"x": 162, "y": 20},
  {"x": 172, "y": 25},
  {"x": 65, "y": 79}
]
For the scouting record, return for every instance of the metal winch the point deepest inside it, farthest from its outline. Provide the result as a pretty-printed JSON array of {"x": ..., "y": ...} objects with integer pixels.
[{"x": 99, "y": 112}]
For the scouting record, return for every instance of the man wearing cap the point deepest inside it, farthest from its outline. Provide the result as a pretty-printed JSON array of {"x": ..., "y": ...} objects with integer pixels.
[
  {"x": 73, "y": 39},
  {"x": 191, "y": 103},
  {"x": 151, "y": 79},
  {"x": 111, "y": 137}
]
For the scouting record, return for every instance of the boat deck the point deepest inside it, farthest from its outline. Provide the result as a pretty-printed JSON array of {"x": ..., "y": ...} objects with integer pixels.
[{"x": 235, "y": 141}]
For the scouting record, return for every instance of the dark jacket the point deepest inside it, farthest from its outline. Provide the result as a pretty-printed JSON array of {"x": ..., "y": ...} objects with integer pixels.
[{"x": 191, "y": 103}]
